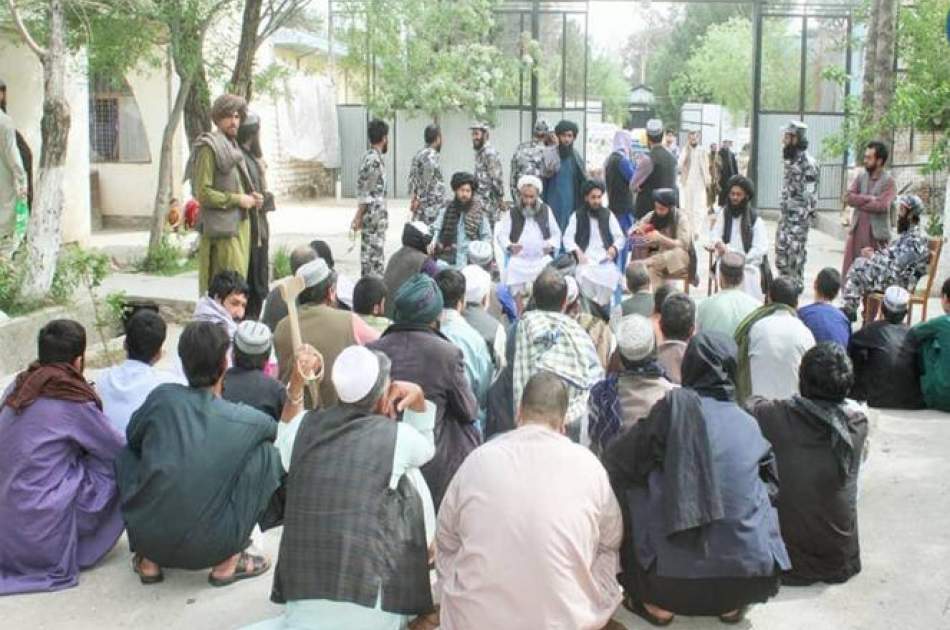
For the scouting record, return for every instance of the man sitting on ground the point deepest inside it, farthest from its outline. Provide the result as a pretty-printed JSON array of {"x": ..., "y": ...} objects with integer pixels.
[
  {"x": 669, "y": 238},
  {"x": 478, "y": 288},
  {"x": 354, "y": 554},
  {"x": 275, "y": 309},
  {"x": 824, "y": 320},
  {"x": 328, "y": 329},
  {"x": 724, "y": 311},
  {"x": 932, "y": 340},
  {"x": 225, "y": 303},
  {"x": 245, "y": 382},
  {"x": 595, "y": 326},
  {"x": 369, "y": 302},
  {"x": 640, "y": 301},
  {"x": 660, "y": 294},
  {"x": 59, "y": 503},
  {"x": 819, "y": 440},
  {"x": 198, "y": 472},
  {"x": 772, "y": 341},
  {"x": 517, "y": 555},
  {"x": 123, "y": 388},
  {"x": 410, "y": 259},
  {"x": 677, "y": 323}
]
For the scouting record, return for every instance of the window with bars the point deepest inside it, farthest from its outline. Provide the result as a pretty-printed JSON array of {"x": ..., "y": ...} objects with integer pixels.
[{"x": 116, "y": 130}]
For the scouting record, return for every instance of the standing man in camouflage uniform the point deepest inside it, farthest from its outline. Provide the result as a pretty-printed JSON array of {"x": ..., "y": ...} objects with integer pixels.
[
  {"x": 489, "y": 178},
  {"x": 799, "y": 196},
  {"x": 902, "y": 263},
  {"x": 372, "y": 218},
  {"x": 426, "y": 186},
  {"x": 534, "y": 157}
]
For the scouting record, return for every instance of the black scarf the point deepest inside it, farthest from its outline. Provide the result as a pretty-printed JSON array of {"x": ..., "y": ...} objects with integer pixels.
[
  {"x": 647, "y": 368},
  {"x": 833, "y": 416},
  {"x": 666, "y": 221},
  {"x": 748, "y": 216},
  {"x": 565, "y": 150},
  {"x": 472, "y": 213},
  {"x": 582, "y": 221}
]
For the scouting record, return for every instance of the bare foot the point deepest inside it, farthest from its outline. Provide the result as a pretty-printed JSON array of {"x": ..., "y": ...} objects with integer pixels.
[{"x": 660, "y": 613}]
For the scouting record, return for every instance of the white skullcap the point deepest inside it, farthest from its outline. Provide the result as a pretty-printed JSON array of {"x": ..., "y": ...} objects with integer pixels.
[
  {"x": 573, "y": 290},
  {"x": 635, "y": 337},
  {"x": 252, "y": 338},
  {"x": 422, "y": 226},
  {"x": 480, "y": 253},
  {"x": 896, "y": 298},
  {"x": 314, "y": 272},
  {"x": 477, "y": 284},
  {"x": 530, "y": 180},
  {"x": 344, "y": 290},
  {"x": 355, "y": 372}
]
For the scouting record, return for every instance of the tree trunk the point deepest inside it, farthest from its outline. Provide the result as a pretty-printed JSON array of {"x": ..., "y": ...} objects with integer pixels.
[
  {"x": 884, "y": 34},
  {"x": 870, "y": 57},
  {"x": 44, "y": 233},
  {"x": 198, "y": 107},
  {"x": 242, "y": 79},
  {"x": 164, "y": 192}
]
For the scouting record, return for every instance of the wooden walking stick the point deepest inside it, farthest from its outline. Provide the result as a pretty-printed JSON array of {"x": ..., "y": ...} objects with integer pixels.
[{"x": 290, "y": 288}]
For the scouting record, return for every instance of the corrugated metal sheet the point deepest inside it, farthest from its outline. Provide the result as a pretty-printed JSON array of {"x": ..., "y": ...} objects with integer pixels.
[
  {"x": 832, "y": 175},
  {"x": 769, "y": 187},
  {"x": 352, "y": 144}
]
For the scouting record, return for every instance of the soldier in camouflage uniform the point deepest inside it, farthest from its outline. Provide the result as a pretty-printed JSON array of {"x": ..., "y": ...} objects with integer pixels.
[
  {"x": 426, "y": 186},
  {"x": 902, "y": 263},
  {"x": 799, "y": 196},
  {"x": 489, "y": 178},
  {"x": 529, "y": 158},
  {"x": 372, "y": 218}
]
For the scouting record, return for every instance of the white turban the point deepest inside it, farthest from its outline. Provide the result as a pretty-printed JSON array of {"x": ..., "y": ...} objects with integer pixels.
[
  {"x": 477, "y": 284},
  {"x": 530, "y": 180}
]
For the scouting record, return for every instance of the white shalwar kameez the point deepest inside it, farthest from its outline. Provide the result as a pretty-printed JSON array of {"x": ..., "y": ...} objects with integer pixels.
[
  {"x": 599, "y": 277},
  {"x": 522, "y": 268},
  {"x": 752, "y": 281}
]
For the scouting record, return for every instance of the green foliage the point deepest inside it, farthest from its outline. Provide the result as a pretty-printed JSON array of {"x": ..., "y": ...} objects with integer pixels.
[
  {"x": 270, "y": 80},
  {"x": 606, "y": 82},
  {"x": 425, "y": 55},
  {"x": 280, "y": 262},
  {"x": 75, "y": 268},
  {"x": 170, "y": 259}
]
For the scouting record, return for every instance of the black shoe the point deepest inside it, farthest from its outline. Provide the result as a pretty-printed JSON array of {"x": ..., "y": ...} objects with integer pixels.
[{"x": 637, "y": 608}]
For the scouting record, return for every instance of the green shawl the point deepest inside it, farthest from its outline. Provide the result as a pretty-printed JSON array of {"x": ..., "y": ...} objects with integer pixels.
[{"x": 744, "y": 372}]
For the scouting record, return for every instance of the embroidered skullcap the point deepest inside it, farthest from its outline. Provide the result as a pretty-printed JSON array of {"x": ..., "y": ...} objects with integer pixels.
[
  {"x": 359, "y": 372},
  {"x": 635, "y": 337},
  {"x": 418, "y": 301},
  {"x": 565, "y": 126},
  {"x": 732, "y": 260},
  {"x": 573, "y": 290},
  {"x": 665, "y": 196},
  {"x": 480, "y": 253},
  {"x": 252, "y": 338},
  {"x": 896, "y": 299},
  {"x": 314, "y": 272},
  {"x": 530, "y": 180},
  {"x": 477, "y": 284}
]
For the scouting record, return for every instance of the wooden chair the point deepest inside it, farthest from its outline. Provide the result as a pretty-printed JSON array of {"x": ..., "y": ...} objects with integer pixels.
[
  {"x": 712, "y": 285},
  {"x": 922, "y": 295}
]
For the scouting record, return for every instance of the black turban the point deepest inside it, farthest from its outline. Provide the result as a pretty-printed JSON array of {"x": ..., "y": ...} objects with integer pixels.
[
  {"x": 665, "y": 196},
  {"x": 566, "y": 125},
  {"x": 590, "y": 185},
  {"x": 461, "y": 178},
  {"x": 742, "y": 182}
]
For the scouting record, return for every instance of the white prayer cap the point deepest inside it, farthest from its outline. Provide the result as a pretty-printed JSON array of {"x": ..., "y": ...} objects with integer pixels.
[
  {"x": 530, "y": 180},
  {"x": 355, "y": 372},
  {"x": 422, "y": 226},
  {"x": 573, "y": 290},
  {"x": 480, "y": 253},
  {"x": 252, "y": 338},
  {"x": 477, "y": 284},
  {"x": 635, "y": 337},
  {"x": 896, "y": 299},
  {"x": 344, "y": 290},
  {"x": 654, "y": 127},
  {"x": 314, "y": 272}
]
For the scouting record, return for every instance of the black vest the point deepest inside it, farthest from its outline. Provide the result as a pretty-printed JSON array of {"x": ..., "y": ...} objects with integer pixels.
[
  {"x": 582, "y": 235},
  {"x": 618, "y": 189},
  {"x": 518, "y": 219},
  {"x": 663, "y": 175}
]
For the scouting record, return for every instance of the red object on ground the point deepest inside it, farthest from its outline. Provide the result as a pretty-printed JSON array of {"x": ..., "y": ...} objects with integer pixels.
[{"x": 192, "y": 210}]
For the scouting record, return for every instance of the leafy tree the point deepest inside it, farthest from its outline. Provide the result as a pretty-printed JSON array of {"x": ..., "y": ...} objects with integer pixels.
[{"x": 606, "y": 83}]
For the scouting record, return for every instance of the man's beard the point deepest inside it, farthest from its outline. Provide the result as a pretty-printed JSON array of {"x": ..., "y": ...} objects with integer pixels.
[
  {"x": 565, "y": 150},
  {"x": 737, "y": 210},
  {"x": 694, "y": 144},
  {"x": 789, "y": 152},
  {"x": 478, "y": 144},
  {"x": 903, "y": 224},
  {"x": 464, "y": 204},
  {"x": 871, "y": 170}
]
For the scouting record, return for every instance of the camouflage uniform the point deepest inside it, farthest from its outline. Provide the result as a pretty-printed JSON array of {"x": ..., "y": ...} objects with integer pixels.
[
  {"x": 427, "y": 184},
  {"x": 902, "y": 263},
  {"x": 371, "y": 192},
  {"x": 527, "y": 160},
  {"x": 490, "y": 181},
  {"x": 799, "y": 197}
]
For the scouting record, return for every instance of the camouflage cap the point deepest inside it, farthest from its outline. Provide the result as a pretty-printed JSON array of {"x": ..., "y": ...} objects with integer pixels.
[
  {"x": 478, "y": 125},
  {"x": 541, "y": 126},
  {"x": 797, "y": 128}
]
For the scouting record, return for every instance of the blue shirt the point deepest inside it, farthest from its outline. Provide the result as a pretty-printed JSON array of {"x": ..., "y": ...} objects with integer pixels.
[
  {"x": 827, "y": 323},
  {"x": 559, "y": 191}
]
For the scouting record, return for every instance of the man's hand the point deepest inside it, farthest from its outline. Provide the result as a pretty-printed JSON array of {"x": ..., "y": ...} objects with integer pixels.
[
  {"x": 612, "y": 253},
  {"x": 246, "y": 202},
  {"x": 720, "y": 248},
  {"x": 404, "y": 395},
  {"x": 515, "y": 248},
  {"x": 357, "y": 224},
  {"x": 258, "y": 200},
  {"x": 308, "y": 363},
  {"x": 414, "y": 204},
  {"x": 581, "y": 257}
]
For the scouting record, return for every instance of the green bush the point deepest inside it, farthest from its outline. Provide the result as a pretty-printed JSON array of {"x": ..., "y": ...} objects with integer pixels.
[
  {"x": 280, "y": 262},
  {"x": 75, "y": 268},
  {"x": 169, "y": 260}
]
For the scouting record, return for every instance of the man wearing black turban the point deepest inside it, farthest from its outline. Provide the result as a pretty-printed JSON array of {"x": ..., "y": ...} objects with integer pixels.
[
  {"x": 738, "y": 229},
  {"x": 462, "y": 221},
  {"x": 666, "y": 235},
  {"x": 562, "y": 191}
]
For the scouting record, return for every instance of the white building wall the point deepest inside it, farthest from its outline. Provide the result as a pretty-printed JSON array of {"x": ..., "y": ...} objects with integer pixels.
[{"x": 23, "y": 74}]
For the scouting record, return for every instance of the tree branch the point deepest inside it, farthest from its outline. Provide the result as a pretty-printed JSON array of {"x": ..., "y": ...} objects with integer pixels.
[
  {"x": 38, "y": 50},
  {"x": 275, "y": 17}
]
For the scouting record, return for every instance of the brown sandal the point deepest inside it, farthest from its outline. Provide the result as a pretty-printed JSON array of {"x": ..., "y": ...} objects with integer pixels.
[
  {"x": 147, "y": 580},
  {"x": 425, "y": 622},
  {"x": 248, "y": 566}
]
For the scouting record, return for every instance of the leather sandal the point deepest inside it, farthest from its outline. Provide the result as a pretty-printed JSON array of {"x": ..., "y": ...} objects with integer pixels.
[
  {"x": 248, "y": 566},
  {"x": 637, "y": 608},
  {"x": 147, "y": 580}
]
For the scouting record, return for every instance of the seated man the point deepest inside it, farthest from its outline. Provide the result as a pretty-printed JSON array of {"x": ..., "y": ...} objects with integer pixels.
[
  {"x": 198, "y": 472},
  {"x": 669, "y": 239},
  {"x": 59, "y": 505},
  {"x": 724, "y": 311},
  {"x": 824, "y": 320},
  {"x": 354, "y": 555},
  {"x": 819, "y": 440},
  {"x": 369, "y": 302},
  {"x": 548, "y": 339},
  {"x": 329, "y": 330},
  {"x": 408, "y": 260},
  {"x": 640, "y": 301},
  {"x": 677, "y": 323},
  {"x": 619, "y": 401},
  {"x": 901, "y": 263},
  {"x": 275, "y": 309},
  {"x": 772, "y": 341},
  {"x": 738, "y": 229},
  {"x": 460, "y": 222},
  {"x": 529, "y": 235},
  {"x": 932, "y": 338},
  {"x": 225, "y": 302},
  {"x": 123, "y": 388},
  {"x": 478, "y": 365},
  {"x": 595, "y": 326},
  {"x": 478, "y": 287},
  {"x": 245, "y": 381},
  {"x": 521, "y": 555},
  {"x": 693, "y": 480},
  {"x": 885, "y": 362},
  {"x": 660, "y": 294},
  {"x": 421, "y": 354},
  {"x": 594, "y": 236}
]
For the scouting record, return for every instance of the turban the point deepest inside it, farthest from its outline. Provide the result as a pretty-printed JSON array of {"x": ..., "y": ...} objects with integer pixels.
[
  {"x": 590, "y": 185},
  {"x": 665, "y": 196},
  {"x": 418, "y": 301},
  {"x": 530, "y": 180},
  {"x": 461, "y": 178},
  {"x": 635, "y": 338},
  {"x": 416, "y": 235},
  {"x": 565, "y": 126},
  {"x": 477, "y": 284},
  {"x": 742, "y": 182}
]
